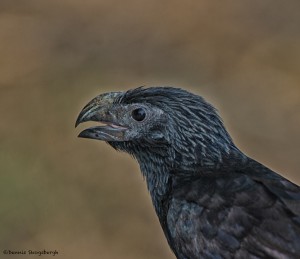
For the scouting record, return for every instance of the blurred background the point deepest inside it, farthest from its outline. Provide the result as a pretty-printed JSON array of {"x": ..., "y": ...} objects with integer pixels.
[{"x": 81, "y": 197}]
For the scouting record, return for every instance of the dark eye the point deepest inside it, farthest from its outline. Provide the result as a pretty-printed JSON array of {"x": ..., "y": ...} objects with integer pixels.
[{"x": 138, "y": 114}]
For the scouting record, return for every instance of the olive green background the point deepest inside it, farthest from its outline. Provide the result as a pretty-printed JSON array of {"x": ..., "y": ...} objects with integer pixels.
[{"x": 81, "y": 197}]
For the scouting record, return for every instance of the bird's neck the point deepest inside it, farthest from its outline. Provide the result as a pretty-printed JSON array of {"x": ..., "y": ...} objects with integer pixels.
[
  {"x": 159, "y": 171},
  {"x": 157, "y": 176}
]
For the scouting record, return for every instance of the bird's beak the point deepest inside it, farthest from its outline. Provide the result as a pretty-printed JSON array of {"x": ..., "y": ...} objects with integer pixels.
[{"x": 99, "y": 110}]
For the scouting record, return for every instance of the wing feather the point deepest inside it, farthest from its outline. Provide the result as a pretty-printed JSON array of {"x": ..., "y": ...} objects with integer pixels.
[{"x": 249, "y": 213}]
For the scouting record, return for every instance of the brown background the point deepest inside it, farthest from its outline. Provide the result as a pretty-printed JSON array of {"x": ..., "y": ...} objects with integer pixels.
[{"x": 81, "y": 197}]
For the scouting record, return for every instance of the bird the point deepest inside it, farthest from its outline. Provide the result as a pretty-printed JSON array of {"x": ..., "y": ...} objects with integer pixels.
[{"x": 212, "y": 200}]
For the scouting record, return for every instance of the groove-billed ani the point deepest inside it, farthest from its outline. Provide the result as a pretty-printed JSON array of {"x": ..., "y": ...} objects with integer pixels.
[{"x": 211, "y": 199}]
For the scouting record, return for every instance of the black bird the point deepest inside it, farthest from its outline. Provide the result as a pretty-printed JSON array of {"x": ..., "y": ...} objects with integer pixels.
[{"x": 212, "y": 200}]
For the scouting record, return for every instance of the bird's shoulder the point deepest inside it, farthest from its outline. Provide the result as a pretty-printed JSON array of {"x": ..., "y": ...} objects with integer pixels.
[{"x": 244, "y": 209}]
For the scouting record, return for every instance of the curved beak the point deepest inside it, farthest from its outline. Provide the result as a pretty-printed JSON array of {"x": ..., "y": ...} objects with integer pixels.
[{"x": 99, "y": 110}]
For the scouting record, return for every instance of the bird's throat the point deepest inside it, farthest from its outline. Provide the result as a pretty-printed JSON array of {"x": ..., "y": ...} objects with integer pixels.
[{"x": 158, "y": 182}]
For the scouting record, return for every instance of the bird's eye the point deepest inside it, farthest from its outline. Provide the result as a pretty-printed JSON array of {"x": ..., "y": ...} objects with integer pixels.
[{"x": 138, "y": 114}]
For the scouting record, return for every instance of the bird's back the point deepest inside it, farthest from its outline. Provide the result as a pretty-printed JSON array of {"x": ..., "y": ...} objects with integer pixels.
[{"x": 245, "y": 212}]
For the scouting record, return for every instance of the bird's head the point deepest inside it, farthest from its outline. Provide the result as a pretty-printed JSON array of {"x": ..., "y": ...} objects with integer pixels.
[{"x": 159, "y": 126}]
